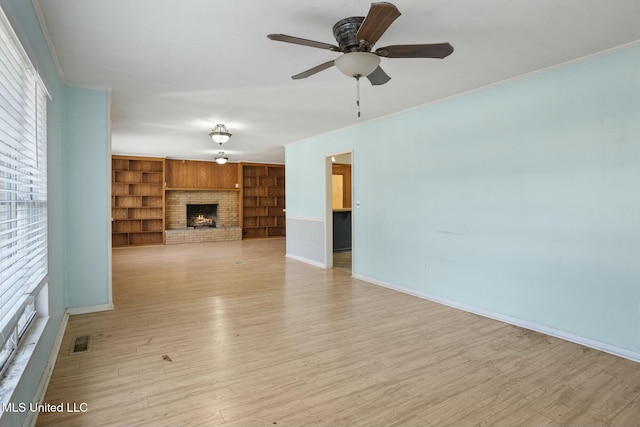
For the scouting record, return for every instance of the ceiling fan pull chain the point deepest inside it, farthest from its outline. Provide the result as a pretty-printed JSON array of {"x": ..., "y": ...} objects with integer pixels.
[{"x": 358, "y": 94}]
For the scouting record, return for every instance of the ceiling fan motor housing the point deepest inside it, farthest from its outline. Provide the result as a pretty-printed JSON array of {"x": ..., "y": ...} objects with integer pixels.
[{"x": 345, "y": 32}]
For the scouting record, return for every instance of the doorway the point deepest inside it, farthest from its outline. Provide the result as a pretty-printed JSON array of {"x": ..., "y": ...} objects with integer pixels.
[{"x": 339, "y": 217}]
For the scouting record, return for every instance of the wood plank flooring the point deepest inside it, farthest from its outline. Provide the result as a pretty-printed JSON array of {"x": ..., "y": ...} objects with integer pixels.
[{"x": 234, "y": 334}]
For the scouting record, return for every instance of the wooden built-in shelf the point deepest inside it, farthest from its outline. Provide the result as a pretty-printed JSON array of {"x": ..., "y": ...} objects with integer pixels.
[
  {"x": 137, "y": 201},
  {"x": 263, "y": 200}
]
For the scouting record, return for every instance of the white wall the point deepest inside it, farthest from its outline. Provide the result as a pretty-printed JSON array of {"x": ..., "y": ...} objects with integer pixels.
[{"x": 519, "y": 200}]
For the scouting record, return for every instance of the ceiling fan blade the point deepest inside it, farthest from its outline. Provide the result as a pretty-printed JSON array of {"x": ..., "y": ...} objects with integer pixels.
[
  {"x": 435, "y": 50},
  {"x": 381, "y": 15},
  {"x": 303, "y": 42},
  {"x": 378, "y": 77},
  {"x": 312, "y": 71}
]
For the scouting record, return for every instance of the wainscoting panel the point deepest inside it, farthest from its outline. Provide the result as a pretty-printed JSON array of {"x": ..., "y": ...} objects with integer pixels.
[{"x": 305, "y": 240}]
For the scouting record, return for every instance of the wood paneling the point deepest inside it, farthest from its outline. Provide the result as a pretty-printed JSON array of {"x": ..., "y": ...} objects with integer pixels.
[
  {"x": 345, "y": 172},
  {"x": 235, "y": 334},
  {"x": 200, "y": 175}
]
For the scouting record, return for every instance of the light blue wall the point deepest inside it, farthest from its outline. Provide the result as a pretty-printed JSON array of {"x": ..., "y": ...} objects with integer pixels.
[
  {"x": 67, "y": 263},
  {"x": 519, "y": 200},
  {"x": 305, "y": 212},
  {"x": 88, "y": 203},
  {"x": 24, "y": 20}
]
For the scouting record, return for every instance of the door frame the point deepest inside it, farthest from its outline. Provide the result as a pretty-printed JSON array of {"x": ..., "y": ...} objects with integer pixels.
[{"x": 328, "y": 172}]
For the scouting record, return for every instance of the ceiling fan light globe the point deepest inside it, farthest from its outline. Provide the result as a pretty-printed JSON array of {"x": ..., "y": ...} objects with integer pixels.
[{"x": 357, "y": 64}]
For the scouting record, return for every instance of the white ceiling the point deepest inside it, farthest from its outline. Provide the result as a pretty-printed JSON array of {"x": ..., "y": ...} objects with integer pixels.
[{"x": 178, "y": 67}]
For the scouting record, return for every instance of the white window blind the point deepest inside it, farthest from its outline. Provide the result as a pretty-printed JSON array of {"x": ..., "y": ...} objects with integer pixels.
[{"x": 23, "y": 190}]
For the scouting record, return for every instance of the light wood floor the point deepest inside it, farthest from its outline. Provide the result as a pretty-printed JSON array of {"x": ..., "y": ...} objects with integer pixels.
[
  {"x": 234, "y": 334},
  {"x": 342, "y": 260}
]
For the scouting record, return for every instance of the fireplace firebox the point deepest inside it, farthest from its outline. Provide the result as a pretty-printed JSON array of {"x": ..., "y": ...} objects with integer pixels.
[{"x": 201, "y": 216}]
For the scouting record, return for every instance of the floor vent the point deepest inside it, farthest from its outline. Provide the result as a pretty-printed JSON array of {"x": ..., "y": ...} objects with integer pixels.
[{"x": 80, "y": 344}]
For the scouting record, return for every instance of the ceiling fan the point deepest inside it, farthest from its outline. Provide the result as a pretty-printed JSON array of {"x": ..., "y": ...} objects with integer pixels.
[{"x": 356, "y": 37}]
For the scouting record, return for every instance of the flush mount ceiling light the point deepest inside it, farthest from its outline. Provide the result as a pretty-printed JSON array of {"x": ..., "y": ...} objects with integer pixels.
[
  {"x": 220, "y": 134},
  {"x": 221, "y": 158}
]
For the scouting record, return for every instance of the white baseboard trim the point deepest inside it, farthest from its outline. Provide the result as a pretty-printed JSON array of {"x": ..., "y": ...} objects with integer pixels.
[
  {"x": 306, "y": 261},
  {"x": 587, "y": 342},
  {"x": 89, "y": 309},
  {"x": 41, "y": 391}
]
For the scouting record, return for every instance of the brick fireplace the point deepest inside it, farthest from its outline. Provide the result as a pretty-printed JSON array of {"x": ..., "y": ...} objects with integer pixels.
[{"x": 228, "y": 214}]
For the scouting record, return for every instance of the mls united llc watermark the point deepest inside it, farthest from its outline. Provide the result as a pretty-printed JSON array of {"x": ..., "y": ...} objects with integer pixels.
[{"x": 44, "y": 407}]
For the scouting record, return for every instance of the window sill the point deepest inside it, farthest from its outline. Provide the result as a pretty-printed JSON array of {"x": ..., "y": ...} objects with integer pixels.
[{"x": 18, "y": 367}]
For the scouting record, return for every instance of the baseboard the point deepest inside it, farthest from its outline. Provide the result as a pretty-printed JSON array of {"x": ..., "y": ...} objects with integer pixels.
[
  {"x": 41, "y": 391},
  {"x": 89, "y": 309},
  {"x": 587, "y": 342},
  {"x": 306, "y": 261}
]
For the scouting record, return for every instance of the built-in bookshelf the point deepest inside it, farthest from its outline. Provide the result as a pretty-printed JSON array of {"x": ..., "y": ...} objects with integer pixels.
[
  {"x": 137, "y": 201},
  {"x": 263, "y": 200}
]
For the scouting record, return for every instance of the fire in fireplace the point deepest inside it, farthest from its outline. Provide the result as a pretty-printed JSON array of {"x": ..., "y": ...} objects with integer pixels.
[{"x": 199, "y": 216}]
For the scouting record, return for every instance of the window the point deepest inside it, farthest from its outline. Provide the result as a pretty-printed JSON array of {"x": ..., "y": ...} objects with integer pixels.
[{"x": 23, "y": 191}]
